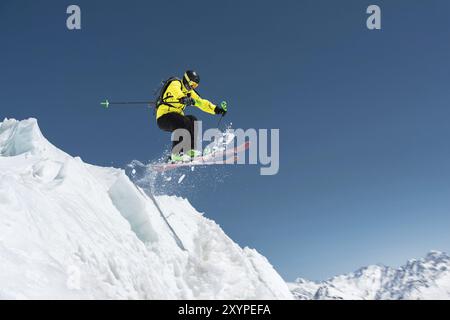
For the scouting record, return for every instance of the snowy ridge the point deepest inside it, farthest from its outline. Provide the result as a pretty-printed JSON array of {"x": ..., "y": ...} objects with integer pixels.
[
  {"x": 71, "y": 230},
  {"x": 425, "y": 279}
]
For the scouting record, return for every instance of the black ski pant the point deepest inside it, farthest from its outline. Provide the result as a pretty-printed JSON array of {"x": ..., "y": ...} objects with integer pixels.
[{"x": 173, "y": 121}]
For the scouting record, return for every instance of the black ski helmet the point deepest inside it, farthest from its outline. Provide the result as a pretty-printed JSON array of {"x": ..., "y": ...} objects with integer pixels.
[{"x": 191, "y": 79}]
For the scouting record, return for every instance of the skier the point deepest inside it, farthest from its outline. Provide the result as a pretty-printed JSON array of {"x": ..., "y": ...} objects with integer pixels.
[{"x": 174, "y": 97}]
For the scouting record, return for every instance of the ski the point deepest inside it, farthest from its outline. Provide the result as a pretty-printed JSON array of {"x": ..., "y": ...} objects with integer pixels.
[
  {"x": 227, "y": 156},
  {"x": 225, "y": 153}
]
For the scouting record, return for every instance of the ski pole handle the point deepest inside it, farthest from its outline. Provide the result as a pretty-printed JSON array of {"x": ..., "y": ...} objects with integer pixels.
[{"x": 224, "y": 105}]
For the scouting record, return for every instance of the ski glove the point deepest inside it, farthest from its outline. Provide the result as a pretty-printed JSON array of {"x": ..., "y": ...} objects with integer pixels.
[
  {"x": 187, "y": 101},
  {"x": 221, "y": 111}
]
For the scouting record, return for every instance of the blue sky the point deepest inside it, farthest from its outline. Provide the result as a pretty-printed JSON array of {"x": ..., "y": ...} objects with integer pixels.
[{"x": 363, "y": 115}]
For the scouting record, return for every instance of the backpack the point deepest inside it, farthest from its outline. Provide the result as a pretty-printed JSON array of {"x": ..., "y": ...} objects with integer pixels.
[{"x": 159, "y": 93}]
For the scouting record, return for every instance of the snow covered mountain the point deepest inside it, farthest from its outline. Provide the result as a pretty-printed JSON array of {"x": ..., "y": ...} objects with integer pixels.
[
  {"x": 71, "y": 230},
  {"x": 427, "y": 279}
]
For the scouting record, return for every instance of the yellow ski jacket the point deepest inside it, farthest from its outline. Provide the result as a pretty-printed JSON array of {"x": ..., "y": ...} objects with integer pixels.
[{"x": 176, "y": 91}]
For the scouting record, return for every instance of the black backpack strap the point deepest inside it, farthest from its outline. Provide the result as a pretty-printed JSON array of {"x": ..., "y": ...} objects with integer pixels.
[{"x": 161, "y": 99}]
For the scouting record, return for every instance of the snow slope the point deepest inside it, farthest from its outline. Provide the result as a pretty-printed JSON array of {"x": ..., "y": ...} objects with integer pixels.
[
  {"x": 424, "y": 279},
  {"x": 70, "y": 230}
]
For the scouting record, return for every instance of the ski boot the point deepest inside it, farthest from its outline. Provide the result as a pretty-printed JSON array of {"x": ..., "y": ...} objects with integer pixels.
[
  {"x": 179, "y": 157},
  {"x": 194, "y": 153}
]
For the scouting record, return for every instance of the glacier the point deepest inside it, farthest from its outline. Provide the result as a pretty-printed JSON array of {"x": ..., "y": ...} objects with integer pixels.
[
  {"x": 419, "y": 279},
  {"x": 71, "y": 230}
]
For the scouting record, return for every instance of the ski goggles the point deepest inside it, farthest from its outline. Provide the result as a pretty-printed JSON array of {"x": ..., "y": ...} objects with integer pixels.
[{"x": 193, "y": 84}]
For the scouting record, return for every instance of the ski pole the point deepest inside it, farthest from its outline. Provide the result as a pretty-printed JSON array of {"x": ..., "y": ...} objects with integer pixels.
[
  {"x": 224, "y": 106},
  {"x": 107, "y": 103},
  {"x": 218, "y": 123}
]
